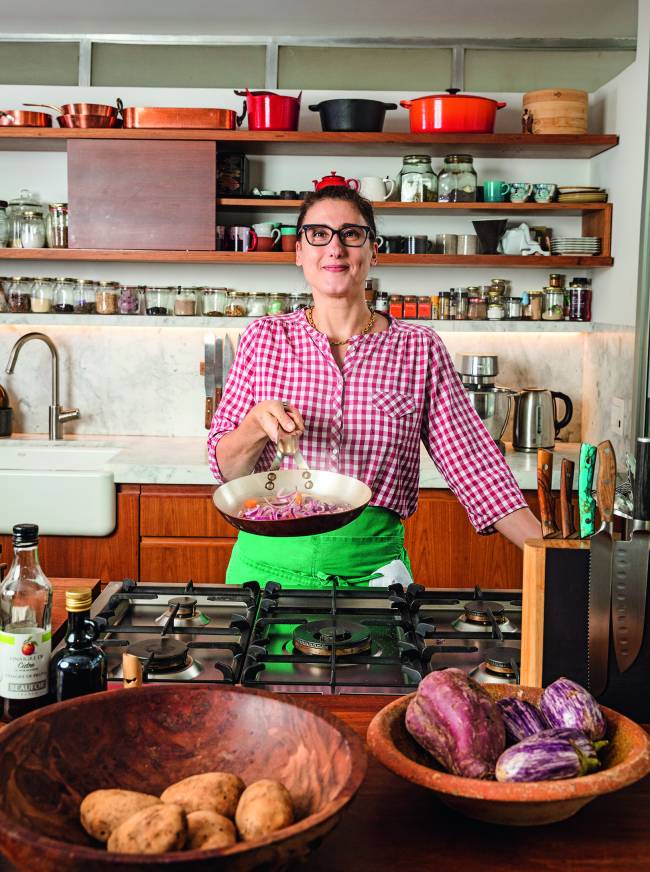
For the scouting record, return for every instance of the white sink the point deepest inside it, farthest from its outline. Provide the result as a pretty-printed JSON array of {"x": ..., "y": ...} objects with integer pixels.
[{"x": 65, "y": 488}]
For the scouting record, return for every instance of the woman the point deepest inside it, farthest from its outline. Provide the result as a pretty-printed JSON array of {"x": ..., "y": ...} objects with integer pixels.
[{"x": 362, "y": 390}]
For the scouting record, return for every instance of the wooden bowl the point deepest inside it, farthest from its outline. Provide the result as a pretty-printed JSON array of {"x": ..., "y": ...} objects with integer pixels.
[
  {"x": 145, "y": 740},
  {"x": 627, "y": 759}
]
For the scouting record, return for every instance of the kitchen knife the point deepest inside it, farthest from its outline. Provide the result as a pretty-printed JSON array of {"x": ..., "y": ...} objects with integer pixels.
[
  {"x": 586, "y": 502},
  {"x": 567, "y": 524},
  {"x": 600, "y": 572},
  {"x": 228, "y": 358},
  {"x": 631, "y": 568},
  {"x": 544, "y": 485},
  {"x": 218, "y": 371},
  {"x": 209, "y": 377}
]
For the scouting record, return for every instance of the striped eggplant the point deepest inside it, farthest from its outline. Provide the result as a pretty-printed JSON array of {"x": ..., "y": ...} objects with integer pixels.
[
  {"x": 567, "y": 704},
  {"x": 458, "y": 723},
  {"x": 549, "y": 755},
  {"x": 522, "y": 718}
]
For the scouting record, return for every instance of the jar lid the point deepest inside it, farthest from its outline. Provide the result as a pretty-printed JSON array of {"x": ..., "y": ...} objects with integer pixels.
[
  {"x": 28, "y": 213},
  {"x": 18, "y": 279},
  {"x": 515, "y": 299},
  {"x": 58, "y": 206},
  {"x": 263, "y": 294},
  {"x": 420, "y": 158},
  {"x": 580, "y": 280},
  {"x": 111, "y": 285},
  {"x": 236, "y": 293},
  {"x": 44, "y": 280},
  {"x": 459, "y": 158},
  {"x": 3, "y": 204}
]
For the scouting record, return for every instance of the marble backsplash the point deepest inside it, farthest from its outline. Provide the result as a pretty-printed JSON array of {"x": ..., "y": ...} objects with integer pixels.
[{"x": 146, "y": 381}]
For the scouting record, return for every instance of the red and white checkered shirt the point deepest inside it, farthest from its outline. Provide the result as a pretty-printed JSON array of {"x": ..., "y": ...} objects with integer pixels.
[{"x": 397, "y": 387}]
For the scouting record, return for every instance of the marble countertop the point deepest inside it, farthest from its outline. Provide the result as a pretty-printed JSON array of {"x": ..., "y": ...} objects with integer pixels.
[{"x": 183, "y": 460}]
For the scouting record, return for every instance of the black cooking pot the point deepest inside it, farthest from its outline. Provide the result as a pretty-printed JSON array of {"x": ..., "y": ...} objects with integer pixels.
[{"x": 362, "y": 116}]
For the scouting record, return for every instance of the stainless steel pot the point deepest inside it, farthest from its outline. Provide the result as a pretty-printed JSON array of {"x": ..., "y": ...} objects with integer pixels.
[
  {"x": 536, "y": 423},
  {"x": 493, "y": 406}
]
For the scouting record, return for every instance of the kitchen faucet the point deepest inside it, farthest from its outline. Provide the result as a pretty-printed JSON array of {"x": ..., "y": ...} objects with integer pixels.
[{"x": 58, "y": 416}]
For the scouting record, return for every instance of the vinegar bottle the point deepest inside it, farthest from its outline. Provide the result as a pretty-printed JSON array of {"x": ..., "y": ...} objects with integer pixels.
[
  {"x": 80, "y": 667},
  {"x": 25, "y": 628}
]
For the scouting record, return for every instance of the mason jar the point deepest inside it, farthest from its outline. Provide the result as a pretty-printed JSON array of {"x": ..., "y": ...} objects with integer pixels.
[
  {"x": 513, "y": 308},
  {"x": 56, "y": 225},
  {"x": 553, "y": 304},
  {"x": 476, "y": 309},
  {"x": 129, "y": 301},
  {"x": 417, "y": 182},
  {"x": 495, "y": 310},
  {"x": 236, "y": 304},
  {"x": 25, "y": 201},
  {"x": 185, "y": 302},
  {"x": 107, "y": 298},
  {"x": 278, "y": 304},
  {"x": 157, "y": 300},
  {"x": 213, "y": 302},
  {"x": 31, "y": 229},
  {"x": 457, "y": 180},
  {"x": 63, "y": 299},
  {"x": 19, "y": 294},
  {"x": 258, "y": 302},
  {"x": 84, "y": 297}
]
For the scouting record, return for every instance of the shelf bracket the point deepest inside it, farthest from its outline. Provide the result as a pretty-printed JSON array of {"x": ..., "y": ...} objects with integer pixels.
[
  {"x": 271, "y": 74},
  {"x": 458, "y": 67}
]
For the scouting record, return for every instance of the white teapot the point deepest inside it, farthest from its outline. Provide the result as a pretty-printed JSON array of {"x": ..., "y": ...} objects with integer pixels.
[{"x": 518, "y": 241}]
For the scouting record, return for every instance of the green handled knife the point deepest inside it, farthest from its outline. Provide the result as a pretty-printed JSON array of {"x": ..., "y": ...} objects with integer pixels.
[{"x": 586, "y": 502}]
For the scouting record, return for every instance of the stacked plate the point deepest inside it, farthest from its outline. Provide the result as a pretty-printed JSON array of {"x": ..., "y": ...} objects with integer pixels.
[
  {"x": 581, "y": 194},
  {"x": 575, "y": 245}
]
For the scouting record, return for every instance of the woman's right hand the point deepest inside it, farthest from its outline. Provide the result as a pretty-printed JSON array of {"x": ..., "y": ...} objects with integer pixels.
[{"x": 271, "y": 416}]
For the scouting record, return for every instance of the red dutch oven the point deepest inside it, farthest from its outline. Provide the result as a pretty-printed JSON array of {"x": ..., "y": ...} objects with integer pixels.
[
  {"x": 269, "y": 111},
  {"x": 452, "y": 113}
]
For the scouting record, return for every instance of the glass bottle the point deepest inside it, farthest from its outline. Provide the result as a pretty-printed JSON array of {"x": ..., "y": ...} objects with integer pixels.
[
  {"x": 41, "y": 295},
  {"x": 64, "y": 292},
  {"x": 185, "y": 302},
  {"x": 457, "y": 180},
  {"x": 214, "y": 302},
  {"x": 19, "y": 294},
  {"x": 80, "y": 667},
  {"x": 84, "y": 297},
  {"x": 381, "y": 302},
  {"x": 4, "y": 224},
  {"x": 580, "y": 299},
  {"x": 56, "y": 225},
  {"x": 32, "y": 230},
  {"x": 26, "y": 628},
  {"x": 417, "y": 182}
]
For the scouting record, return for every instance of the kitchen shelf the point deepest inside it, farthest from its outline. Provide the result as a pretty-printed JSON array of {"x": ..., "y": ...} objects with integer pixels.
[
  {"x": 51, "y": 320},
  {"x": 281, "y": 257},
  {"x": 264, "y": 204},
  {"x": 397, "y": 143}
]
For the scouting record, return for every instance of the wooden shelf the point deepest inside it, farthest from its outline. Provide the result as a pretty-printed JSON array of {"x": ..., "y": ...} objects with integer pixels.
[
  {"x": 265, "y": 204},
  {"x": 267, "y": 258},
  {"x": 519, "y": 145}
]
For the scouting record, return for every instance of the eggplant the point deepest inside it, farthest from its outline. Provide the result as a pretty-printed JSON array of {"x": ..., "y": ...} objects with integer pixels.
[
  {"x": 549, "y": 755},
  {"x": 458, "y": 723},
  {"x": 567, "y": 704},
  {"x": 522, "y": 718}
]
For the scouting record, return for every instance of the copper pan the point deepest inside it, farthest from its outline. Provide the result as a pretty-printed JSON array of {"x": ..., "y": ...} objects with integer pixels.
[
  {"x": 89, "y": 121},
  {"x": 83, "y": 108},
  {"x": 20, "y": 118},
  {"x": 187, "y": 118},
  {"x": 328, "y": 486}
]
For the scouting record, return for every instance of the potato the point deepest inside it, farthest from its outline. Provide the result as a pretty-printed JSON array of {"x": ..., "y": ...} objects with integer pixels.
[
  {"x": 153, "y": 830},
  {"x": 102, "y": 811},
  {"x": 211, "y": 791},
  {"x": 265, "y": 806},
  {"x": 207, "y": 829}
]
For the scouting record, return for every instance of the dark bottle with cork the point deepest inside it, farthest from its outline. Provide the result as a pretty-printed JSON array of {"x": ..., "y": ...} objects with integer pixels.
[
  {"x": 25, "y": 628},
  {"x": 80, "y": 667}
]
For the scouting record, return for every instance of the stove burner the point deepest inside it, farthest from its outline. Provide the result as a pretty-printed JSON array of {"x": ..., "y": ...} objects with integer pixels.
[
  {"x": 500, "y": 661},
  {"x": 186, "y": 616},
  {"x": 476, "y": 612},
  {"x": 320, "y": 637},
  {"x": 162, "y": 654}
]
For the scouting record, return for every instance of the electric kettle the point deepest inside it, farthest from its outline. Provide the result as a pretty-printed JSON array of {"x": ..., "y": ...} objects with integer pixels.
[{"x": 536, "y": 423}]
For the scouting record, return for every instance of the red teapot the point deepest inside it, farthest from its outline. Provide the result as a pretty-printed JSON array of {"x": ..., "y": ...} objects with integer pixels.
[{"x": 335, "y": 179}]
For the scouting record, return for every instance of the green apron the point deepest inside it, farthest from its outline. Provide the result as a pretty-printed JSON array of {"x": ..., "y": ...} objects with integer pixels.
[{"x": 351, "y": 554}]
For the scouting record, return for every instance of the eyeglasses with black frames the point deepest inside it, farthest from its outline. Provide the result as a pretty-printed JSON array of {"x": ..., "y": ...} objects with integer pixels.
[{"x": 350, "y": 235}]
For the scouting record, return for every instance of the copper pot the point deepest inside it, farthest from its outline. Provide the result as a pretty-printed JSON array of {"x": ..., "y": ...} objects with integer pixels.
[
  {"x": 83, "y": 108},
  {"x": 20, "y": 118},
  {"x": 89, "y": 121}
]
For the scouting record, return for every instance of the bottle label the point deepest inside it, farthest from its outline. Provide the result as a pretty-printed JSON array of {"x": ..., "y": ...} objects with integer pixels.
[{"x": 24, "y": 663}]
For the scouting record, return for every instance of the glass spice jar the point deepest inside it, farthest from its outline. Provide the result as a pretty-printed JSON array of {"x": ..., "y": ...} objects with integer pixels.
[
  {"x": 185, "y": 302},
  {"x": 19, "y": 294},
  {"x": 84, "y": 297},
  {"x": 410, "y": 308},
  {"x": 278, "y": 304},
  {"x": 381, "y": 302},
  {"x": 417, "y": 182},
  {"x": 236, "y": 304},
  {"x": 56, "y": 225},
  {"x": 129, "y": 301},
  {"x": 63, "y": 299},
  {"x": 444, "y": 305},
  {"x": 434, "y": 307},
  {"x": 158, "y": 300},
  {"x": 424, "y": 308},
  {"x": 536, "y": 305},
  {"x": 32, "y": 230},
  {"x": 556, "y": 280},
  {"x": 476, "y": 309},
  {"x": 41, "y": 295},
  {"x": 495, "y": 310},
  {"x": 107, "y": 297},
  {"x": 457, "y": 180},
  {"x": 396, "y": 306},
  {"x": 213, "y": 302},
  {"x": 513, "y": 308},
  {"x": 461, "y": 305},
  {"x": 370, "y": 291},
  {"x": 258, "y": 302},
  {"x": 553, "y": 304},
  {"x": 25, "y": 201}
]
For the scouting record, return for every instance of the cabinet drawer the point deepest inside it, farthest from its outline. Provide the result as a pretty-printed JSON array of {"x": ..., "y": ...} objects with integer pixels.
[
  {"x": 181, "y": 510},
  {"x": 179, "y": 560}
]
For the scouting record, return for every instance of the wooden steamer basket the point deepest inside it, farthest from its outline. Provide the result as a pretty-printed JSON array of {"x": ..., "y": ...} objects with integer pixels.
[{"x": 557, "y": 110}]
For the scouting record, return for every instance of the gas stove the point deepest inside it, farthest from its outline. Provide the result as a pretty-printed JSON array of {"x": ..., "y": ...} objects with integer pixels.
[{"x": 368, "y": 640}]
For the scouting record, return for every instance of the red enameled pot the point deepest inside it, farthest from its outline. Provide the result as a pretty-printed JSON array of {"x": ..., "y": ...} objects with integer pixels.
[
  {"x": 452, "y": 113},
  {"x": 269, "y": 111}
]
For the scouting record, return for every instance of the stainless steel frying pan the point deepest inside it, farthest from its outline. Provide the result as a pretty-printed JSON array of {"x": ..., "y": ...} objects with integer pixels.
[{"x": 328, "y": 486}]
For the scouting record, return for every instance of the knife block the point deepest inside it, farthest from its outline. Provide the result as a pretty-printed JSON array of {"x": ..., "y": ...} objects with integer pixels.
[{"x": 554, "y": 635}]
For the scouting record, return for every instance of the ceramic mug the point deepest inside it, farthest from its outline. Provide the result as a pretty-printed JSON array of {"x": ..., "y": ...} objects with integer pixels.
[
  {"x": 242, "y": 238},
  {"x": 220, "y": 237},
  {"x": 374, "y": 189},
  {"x": 266, "y": 230},
  {"x": 446, "y": 243},
  {"x": 520, "y": 192},
  {"x": 467, "y": 243},
  {"x": 288, "y": 237},
  {"x": 544, "y": 192},
  {"x": 417, "y": 245},
  {"x": 495, "y": 191},
  {"x": 391, "y": 244}
]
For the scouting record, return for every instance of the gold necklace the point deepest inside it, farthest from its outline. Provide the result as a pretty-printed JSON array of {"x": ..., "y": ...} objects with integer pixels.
[{"x": 310, "y": 319}]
